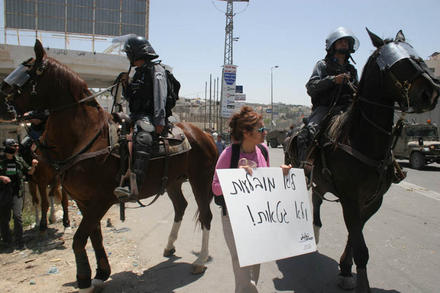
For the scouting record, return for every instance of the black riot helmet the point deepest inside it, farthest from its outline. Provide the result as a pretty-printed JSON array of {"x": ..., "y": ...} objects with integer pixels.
[
  {"x": 139, "y": 48},
  {"x": 10, "y": 145},
  {"x": 342, "y": 33}
]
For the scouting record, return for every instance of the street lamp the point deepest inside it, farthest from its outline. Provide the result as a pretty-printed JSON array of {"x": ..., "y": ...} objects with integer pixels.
[{"x": 271, "y": 95}]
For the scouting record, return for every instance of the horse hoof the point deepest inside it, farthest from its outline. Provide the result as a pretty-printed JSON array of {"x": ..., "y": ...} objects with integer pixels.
[
  {"x": 362, "y": 283},
  {"x": 347, "y": 283},
  {"x": 98, "y": 285},
  {"x": 52, "y": 219},
  {"x": 198, "y": 269},
  {"x": 86, "y": 290},
  {"x": 169, "y": 252},
  {"x": 43, "y": 235}
]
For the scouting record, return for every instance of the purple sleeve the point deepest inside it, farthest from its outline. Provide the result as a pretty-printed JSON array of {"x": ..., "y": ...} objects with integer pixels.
[{"x": 224, "y": 162}]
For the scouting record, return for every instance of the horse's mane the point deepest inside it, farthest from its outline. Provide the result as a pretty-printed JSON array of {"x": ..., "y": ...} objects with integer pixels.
[
  {"x": 340, "y": 125},
  {"x": 66, "y": 79}
]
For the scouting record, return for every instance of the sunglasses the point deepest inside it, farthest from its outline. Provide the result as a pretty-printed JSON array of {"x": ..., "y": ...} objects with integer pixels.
[{"x": 262, "y": 129}]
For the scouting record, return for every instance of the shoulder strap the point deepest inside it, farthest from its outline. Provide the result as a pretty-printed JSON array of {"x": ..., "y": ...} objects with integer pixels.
[
  {"x": 235, "y": 155},
  {"x": 263, "y": 151}
]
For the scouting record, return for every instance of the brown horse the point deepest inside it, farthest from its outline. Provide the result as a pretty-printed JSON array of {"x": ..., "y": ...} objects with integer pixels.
[
  {"x": 43, "y": 178},
  {"x": 77, "y": 129},
  {"x": 354, "y": 160}
]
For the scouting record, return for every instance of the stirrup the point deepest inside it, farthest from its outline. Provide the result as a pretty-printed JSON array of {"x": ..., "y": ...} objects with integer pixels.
[
  {"x": 123, "y": 194},
  {"x": 398, "y": 176}
]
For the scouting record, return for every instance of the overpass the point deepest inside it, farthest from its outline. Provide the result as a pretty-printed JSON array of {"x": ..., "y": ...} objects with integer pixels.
[{"x": 99, "y": 70}]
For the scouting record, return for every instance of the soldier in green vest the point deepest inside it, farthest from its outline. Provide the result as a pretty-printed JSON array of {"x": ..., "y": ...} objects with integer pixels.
[{"x": 12, "y": 174}]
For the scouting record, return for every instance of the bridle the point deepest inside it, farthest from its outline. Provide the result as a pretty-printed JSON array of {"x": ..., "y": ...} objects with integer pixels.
[
  {"x": 31, "y": 76},
  {"x": 386, "y": 57}
]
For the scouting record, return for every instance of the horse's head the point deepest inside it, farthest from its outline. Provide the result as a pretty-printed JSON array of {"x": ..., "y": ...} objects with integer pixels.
[
  {"x": 405, "y": 77},
  {"x": 40, "y": 83},
  {"x": 23, "y": 88}
]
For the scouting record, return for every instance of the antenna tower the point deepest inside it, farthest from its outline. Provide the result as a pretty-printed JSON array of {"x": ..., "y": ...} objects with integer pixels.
[{"x": 229, "y": 33}]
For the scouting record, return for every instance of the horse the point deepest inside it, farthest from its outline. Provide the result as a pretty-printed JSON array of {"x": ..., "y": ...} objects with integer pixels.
[
  {"x": 353, "y": 160},
  {"x": 44, "y": 176},
  {"x": 77, "y": 141}
]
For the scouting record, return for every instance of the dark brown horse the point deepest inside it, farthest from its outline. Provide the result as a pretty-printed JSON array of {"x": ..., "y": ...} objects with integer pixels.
[
  {"x": 354, "y": 161},
  {"x": 76, "y": 127},
  {"x": 43, "y": 178}
]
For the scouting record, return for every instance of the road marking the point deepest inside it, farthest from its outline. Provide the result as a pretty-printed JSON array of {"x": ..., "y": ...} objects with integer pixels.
[{"x": 420, "y": 190}]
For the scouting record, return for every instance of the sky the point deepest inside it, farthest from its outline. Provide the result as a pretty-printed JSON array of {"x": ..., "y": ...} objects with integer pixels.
[{"x": 189, "y": 36}]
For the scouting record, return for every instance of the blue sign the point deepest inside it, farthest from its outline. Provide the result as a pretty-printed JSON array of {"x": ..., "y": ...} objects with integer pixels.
[
  {"x": 229, "y": 78},
  {"x": 239, "y": 89},
  {"x": 268, "y": 110}
]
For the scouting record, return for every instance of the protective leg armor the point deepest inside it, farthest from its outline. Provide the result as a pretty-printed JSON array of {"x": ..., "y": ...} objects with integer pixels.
[
  {"x": 305, "y": 140},
  {"x": 143, "y": 142},
  {"x": 141, "y": 155}
]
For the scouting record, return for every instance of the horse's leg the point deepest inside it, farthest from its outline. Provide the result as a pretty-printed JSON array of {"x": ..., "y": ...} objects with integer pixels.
[
  {"x": 179, "y": 203},
  {"x": 317, "y": 224},
  {"x": 88, "y": 227},
  {"x": 42, "y": 188},
  {"x": 203, "y": 195},
  {"x": 35, "y": 202},
  {"x": 65, "y": 204},
  {"x": 356, "y": 240},
  {"x": 54, "y": 192},
  {"x": 52, "y": 217},
  {"x": 103, "y": 270},
  {"x": 346, "y": 279}
]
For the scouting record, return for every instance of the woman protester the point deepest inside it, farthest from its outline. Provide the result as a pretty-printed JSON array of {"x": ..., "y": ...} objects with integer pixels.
[{"x": 247, "y": 152}]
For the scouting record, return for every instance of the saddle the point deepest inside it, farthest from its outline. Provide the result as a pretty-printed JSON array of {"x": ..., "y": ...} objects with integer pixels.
[{"x": 174, "y": 143}]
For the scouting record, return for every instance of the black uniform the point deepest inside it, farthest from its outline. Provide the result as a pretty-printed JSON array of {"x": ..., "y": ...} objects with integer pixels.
[
  {"x": 326, "y": 95},
  {"x": 325, "y": 92},
  {"x": 146, "y": 94},
  {"x": 12, "y": 197},
  {"x": 139, "y": 92}
]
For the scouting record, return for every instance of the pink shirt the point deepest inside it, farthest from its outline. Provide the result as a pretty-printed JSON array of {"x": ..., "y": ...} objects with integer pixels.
[{"x": 224, "y": 162}]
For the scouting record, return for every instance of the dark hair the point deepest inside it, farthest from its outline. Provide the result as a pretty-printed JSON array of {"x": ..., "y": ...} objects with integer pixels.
[{"x": 245, "y": 120}]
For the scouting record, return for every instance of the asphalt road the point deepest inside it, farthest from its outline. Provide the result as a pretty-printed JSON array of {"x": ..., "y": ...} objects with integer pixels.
[{"x": 403, "y": 238}]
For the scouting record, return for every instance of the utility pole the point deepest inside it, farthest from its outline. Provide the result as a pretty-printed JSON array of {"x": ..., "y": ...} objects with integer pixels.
[
  {"x": 271, "y": 95},
  {"x": 206, "y": 93},
  {"x": 229, "y": 33},
  {"x": 210, "y": 100},
  {"x": 229, "y": 40}
]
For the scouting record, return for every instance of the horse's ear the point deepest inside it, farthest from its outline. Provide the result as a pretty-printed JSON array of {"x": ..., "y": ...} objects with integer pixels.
[
  {"x": 400, "y": 37},
  {"x": 40, "y": 53},
  {"x": 377, "y": 42}
]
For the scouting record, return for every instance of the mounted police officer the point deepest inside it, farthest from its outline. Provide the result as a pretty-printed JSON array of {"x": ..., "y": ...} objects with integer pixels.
[
  {"x": 331, "y": 85},
  {"x": 12, "y": 173},
  {"x": 146, "y": 94}
]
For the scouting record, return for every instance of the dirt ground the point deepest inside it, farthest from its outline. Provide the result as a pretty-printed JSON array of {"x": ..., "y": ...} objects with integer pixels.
[{"x": 47, "y": 263}]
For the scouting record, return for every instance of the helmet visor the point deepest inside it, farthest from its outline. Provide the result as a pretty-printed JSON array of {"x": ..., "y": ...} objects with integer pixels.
[{"x": 18, "y": 77}]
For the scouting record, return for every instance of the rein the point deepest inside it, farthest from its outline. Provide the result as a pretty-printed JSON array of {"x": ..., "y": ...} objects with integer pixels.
[
  {"x": 83, "y": 100},
  {"x": 61, "y": 166}
]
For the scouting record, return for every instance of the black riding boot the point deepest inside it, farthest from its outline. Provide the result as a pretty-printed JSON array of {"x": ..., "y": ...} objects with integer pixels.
[
  {"x": 140, "y": 168},
  {"x": 123, "y": 191},
  {"x": 305, "y": 141},
  {"x": 137, "y": 177}
]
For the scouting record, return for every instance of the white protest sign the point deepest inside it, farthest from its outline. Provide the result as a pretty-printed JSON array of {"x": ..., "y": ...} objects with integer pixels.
[{"x": 270, "y": 214}]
